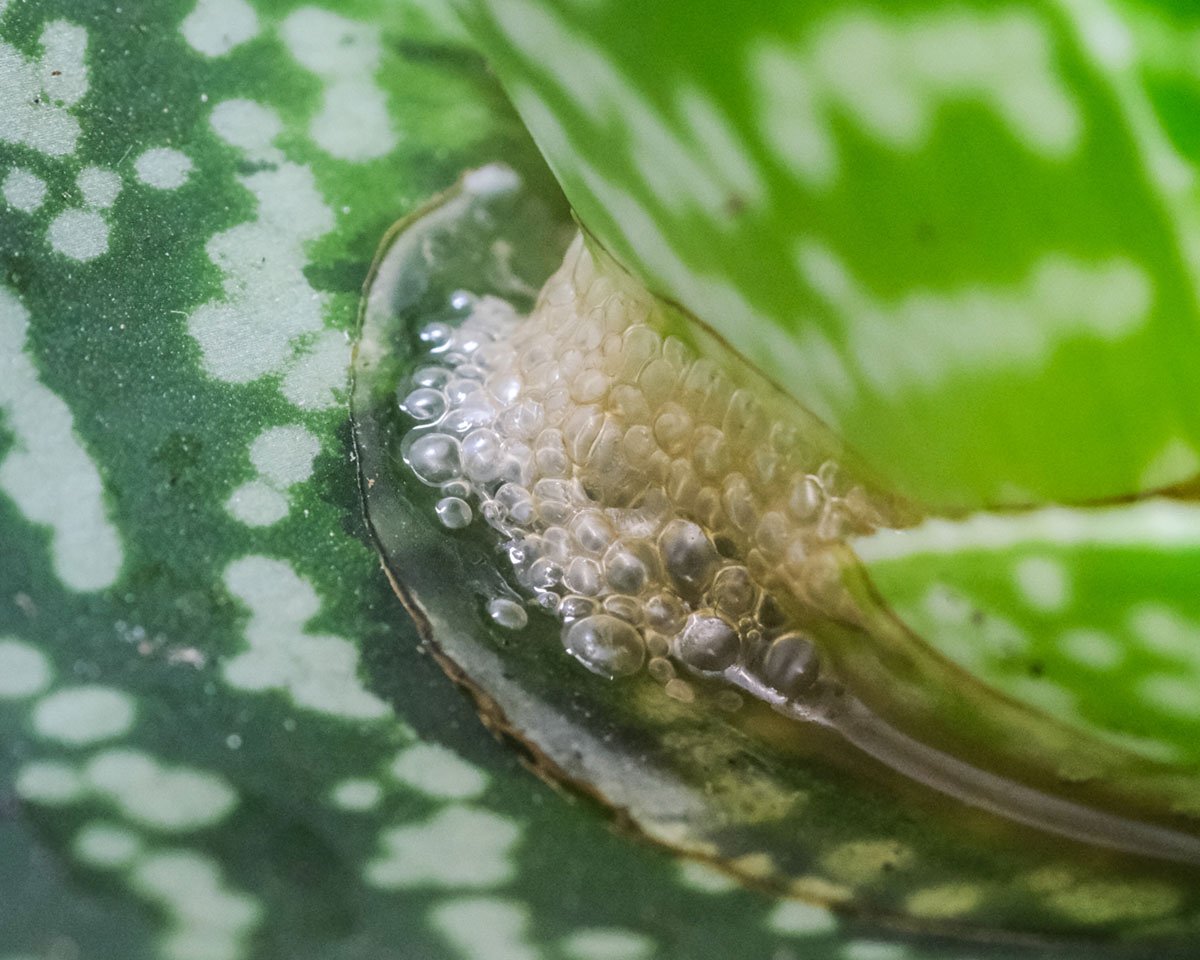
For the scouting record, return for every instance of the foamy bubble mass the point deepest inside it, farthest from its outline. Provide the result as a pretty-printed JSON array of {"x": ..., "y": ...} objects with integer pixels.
[{"x": 641, "y": 495}]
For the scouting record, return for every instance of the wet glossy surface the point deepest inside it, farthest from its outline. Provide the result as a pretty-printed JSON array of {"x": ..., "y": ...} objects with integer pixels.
[{"x": 851, "y": 790}]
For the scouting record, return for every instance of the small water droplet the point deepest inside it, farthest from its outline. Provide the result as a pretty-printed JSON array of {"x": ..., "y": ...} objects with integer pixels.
[
  {"x": 507, "y": 613},
  {"x": 454, "y": 512}
]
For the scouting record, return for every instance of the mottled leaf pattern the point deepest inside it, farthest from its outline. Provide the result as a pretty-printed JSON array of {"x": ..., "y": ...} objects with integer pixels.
[
  {"x": 961, "y": 234},
  {"x": 221, "y": 741}
]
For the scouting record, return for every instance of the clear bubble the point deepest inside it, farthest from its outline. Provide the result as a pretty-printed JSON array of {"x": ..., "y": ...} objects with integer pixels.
[
  {"x": 517, "y": 503},
  {"x": 454, "y": 512},
  {"x": 828, "y": 475},
  {"x": 493, "y": 514},
  {"x": 624, "y": 570},
  {"x": 576, "y": 608},
  {"x": 591, "y": 386},
  {"x": 737, "y": 498},
  {"x": 673, "y": 428},
  {"x": 437, "y": 336},
  {"x": 656, "y": 644},
  {"x": 629, "y": 403},
  {"x": 708, "y": 643},
  {"x": 688, "y": 555},
  {"x": 477, "y": 411},
  {"x": 545, "y": 574},
  {"x": 507, "y": 613},
  {"x": 773, "y": 533},
  {"x": 504, "y": 387},
  {"x": 661, "y": 669},
  {"x": 806, "y": 498},
  {"x": 832, "y": 525},
  {"x": 557, "y": 544},
  {"x": 516, "y": 464},
  {"x": 435, "y": 377},
  {"x": 460, "y": 388},
  {"x": 791, "y": 665},
  {"x": 580, "y": 430},
  {"x": 470, "y": 371},
  {"x": 522, "y": 419},
  {"x": 658, "y": 381},
  {"x": 424, "y": 403},
  {"x": 666, "y": 613},
  {"x": 551, "y": 462},
  {"x": 592, "y": 531},
  {"x": 733, "y": 591},
  {"x": 710, "y": 452},
  {"x": 583, "y": 576},
  {"x": 435, "y": 458},
  {"x": 624, "y": 608},
  {"x": 481, "y": 452},
  {"x": 605, "y": 645}
]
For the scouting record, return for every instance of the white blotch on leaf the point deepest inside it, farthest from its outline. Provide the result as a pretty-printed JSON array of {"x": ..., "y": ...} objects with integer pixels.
[
  {"x": 705, "y": 878},
  {"x": 83, "y": 715},
  {"x": 79, "y": 234},
  {"x": 283, "y": 457},
  {"x": 1161, "y": 524},
  {"x": 318, "y": 672},
  {"x": 321, "y": 369},
  {"x": 98, "y": 186},
  {"x": 46, "y": 471},
  {"x": 24, "y": 670},
  {"x": 23, "y": 190},
  {"x": 485, "y": 928},
  {"x": 460, "y": 846},
  {"x": 107, "y": 846},
  {"x": 792, "y": 918},
  {"x": 356, "y": 795},
  {"x": 438, "y": 772},
  {"x": 257, "y": 504},
  {"x": 607, "y": 943},
  {"x": 944, "y": 901},
  {"x": 49, "y": 782},
  {"x": 1043, "y": 584},
  {"x": 250, "y": 127},
  {"x": 35, "y": 94},
  {"x": 874, "y": 950},
  {"x": 169, "y": 799},
  {"x": 353, "y": 122},
  {"x": 163, "y": 168},
  {"x": 1091, "y": 648},
  {"x": 1164, "y": 631},
  {"x": 1178, "y": 460},
  {"x": 270, "y": 320},
  {"x": 891, "y": 77},
  {"x": 209, "y": 920},
  {"x": 215, "y": 27},
  {"x": 670, "y": 150},
  {"x": 1170, "y": 694},
  {"x": 978, "y": 330}
]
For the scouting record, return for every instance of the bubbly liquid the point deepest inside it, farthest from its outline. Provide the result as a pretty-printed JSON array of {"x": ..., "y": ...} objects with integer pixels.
[
  {"x": 642, "y": 497},
  {"x": 685, "y": 527},
  {"x": 677, "y": 523}
]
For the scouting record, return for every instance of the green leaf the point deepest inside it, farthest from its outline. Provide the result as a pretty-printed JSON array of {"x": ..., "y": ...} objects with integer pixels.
[
  {"x": 222, "y": 739},
  {"x": 962, "y": 235},
  {"x": 801, "y": 798}
]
